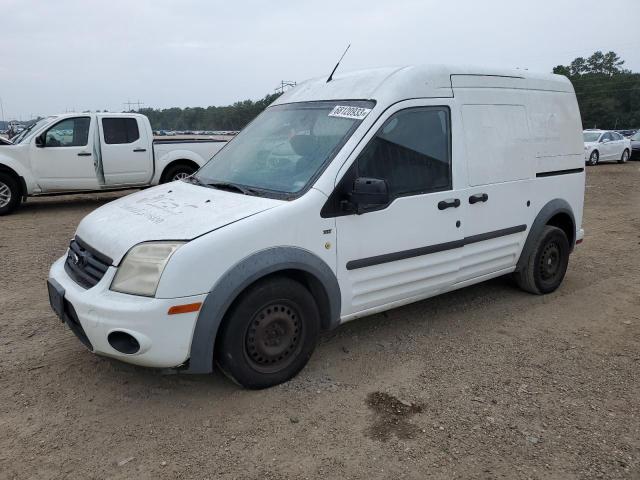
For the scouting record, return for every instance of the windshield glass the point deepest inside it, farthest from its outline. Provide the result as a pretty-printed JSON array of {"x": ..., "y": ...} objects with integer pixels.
[
  {"x": 27, "y": 131},
  {"x": 591, "y": 136},
  {"x": 285, "y": 147},
  {"x": 636, "y": 136}
]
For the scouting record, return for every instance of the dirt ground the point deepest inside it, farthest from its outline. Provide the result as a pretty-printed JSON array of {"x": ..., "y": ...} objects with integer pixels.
[{"x": 485, "y": 382}]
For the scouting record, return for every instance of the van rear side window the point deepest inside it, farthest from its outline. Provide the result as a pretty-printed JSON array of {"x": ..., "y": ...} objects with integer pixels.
[
  {"x": 497, "y": 141},
  {"x": 120, "y": 130}
]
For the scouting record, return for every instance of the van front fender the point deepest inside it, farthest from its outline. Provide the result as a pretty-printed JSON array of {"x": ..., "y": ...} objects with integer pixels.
[{"x": 243, "y": 274}]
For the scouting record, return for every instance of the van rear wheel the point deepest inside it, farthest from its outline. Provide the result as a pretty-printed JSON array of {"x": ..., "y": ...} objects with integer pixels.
[
  {"x": 547, "y": 263},
  {"x": 10, "y": 194},
  {"x": 269, "y": 334}
]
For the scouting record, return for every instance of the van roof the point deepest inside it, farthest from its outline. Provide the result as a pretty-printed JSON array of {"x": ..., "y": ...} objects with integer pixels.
[{"x": 391, "y": 84}]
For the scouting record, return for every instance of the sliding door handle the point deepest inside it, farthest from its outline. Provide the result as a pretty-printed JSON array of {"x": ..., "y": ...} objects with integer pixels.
[
  {"x": 450, "y": 203},
  {"x": 478, "y": 197},
  {"x": 139, "y": 149},
  {"x": 84, "y": 154}
]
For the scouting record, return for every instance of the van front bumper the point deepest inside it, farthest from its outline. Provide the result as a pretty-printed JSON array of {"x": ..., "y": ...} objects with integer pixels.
[{"x": 164, "y": 341}]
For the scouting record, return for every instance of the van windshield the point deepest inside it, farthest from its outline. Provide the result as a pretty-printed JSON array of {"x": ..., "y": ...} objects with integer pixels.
[
  {"x": 285, "y": 148},
  {"x": 591, "y": 136}
]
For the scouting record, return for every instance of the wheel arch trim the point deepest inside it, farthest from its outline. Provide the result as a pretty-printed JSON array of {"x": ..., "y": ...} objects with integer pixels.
[
  {"x": 546, "y": 213},
  {"x": 243, "y": 274}
]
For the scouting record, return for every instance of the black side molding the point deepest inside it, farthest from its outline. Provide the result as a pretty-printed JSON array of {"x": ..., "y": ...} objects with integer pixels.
[
  {"x": 559, "y": 172},
  {"x": 440, "y": 247}
]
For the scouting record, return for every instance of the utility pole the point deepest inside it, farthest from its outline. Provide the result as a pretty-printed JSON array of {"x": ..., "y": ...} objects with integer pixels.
[
  {"x": 129, "y": 104},
  {"x": 284, "y": 86}
]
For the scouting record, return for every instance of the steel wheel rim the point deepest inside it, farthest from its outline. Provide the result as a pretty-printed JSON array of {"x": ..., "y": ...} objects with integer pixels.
[
  {"x": 5, "y": 195},
  {"x": 274, "y": 337},
  {"x": 181, "y": 175},
  {"x": 550, "y": 261}
]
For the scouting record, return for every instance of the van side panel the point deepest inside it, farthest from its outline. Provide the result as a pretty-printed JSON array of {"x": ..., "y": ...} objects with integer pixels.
[
  {"x": 556, "y": 131},
  {"x": 497, "y": 137}
]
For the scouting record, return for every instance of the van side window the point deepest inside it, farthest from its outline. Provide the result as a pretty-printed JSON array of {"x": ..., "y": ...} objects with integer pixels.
[
  {"x": 120, "y": 130},
  {"x": 72, "y": 132},
  {"x": 411, "y": 152}
]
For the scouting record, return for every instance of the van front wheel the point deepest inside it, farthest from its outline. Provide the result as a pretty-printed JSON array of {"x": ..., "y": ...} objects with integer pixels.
[
  {"x": 547, "y": 263},
  {"x": 269, "y": 334}
]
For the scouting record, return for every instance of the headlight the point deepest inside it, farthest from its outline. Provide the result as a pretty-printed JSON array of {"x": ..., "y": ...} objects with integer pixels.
[{"x": 139, "y": 273}]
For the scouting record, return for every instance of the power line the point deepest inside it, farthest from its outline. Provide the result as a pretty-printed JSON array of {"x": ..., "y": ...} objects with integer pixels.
[
  {"x": 284, "y": 86},
  {"x": 129, "y": 105}
]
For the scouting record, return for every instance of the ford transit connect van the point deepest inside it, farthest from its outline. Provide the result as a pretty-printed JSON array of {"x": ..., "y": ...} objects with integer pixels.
[{"x": 342, "y": 199}]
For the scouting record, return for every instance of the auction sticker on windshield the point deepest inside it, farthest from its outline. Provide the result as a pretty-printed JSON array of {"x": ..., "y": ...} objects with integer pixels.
[{"x": 345, "y": 111}]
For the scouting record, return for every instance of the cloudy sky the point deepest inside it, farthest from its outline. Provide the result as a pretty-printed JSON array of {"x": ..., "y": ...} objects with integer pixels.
[{"x": 65, "y": 54}]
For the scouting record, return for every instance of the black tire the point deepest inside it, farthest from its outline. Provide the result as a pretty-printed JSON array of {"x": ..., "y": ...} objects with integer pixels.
[
  {"x": 625, "y": 156},
  {"x": 547, "y": 263},
  {"x": 10, "y": 194},
  {"x": 177, "y": 172},
  {"x": 269, "y": 334},
  {"x": 593, "y": 158}
]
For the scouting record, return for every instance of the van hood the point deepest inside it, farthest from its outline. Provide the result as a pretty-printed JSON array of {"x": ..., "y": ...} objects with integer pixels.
[{"x": 173, "y": 211}]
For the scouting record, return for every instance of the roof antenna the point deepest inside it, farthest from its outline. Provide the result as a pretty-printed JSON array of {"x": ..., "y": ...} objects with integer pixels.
[{"x": 336, "y": 67}]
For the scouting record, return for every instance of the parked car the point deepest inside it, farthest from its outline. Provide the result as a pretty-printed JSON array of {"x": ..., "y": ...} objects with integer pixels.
[
  {"x": 93, "y": 152},
  {"x": 605, "y": 146},
  {"x": 627, "y": 133},
  {"x": 342, "y": 199},
  {"x": 635, "y": 146}
]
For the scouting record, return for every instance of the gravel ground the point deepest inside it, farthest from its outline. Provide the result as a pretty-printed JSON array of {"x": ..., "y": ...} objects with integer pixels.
[{"x": 485, "y": 382}]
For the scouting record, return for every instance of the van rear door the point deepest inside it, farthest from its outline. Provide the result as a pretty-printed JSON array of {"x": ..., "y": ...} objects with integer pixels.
[{"x": 126, "y": 153}]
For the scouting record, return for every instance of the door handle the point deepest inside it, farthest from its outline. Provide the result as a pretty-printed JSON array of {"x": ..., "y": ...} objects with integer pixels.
[
  {"x": 84, "y": 154},
  {"x": 139, "y": 149},
  {"x": 451, "y": 203},
  {"x": 478, "y": 197}
]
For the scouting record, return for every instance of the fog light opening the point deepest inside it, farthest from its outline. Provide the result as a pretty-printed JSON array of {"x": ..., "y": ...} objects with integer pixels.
[{"x": 123, "y": 342}]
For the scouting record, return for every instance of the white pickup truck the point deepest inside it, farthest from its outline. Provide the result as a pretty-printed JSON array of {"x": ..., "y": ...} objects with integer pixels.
[{"x": 91, "y": 152}]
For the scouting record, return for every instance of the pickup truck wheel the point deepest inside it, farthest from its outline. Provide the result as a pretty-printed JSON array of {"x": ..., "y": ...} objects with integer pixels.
[
  {"x": 177, "y": 172},
  {"x": 269, "y": 335},
  {"x": 9, "y": 194},
  {"x": 547, "y": 263}
]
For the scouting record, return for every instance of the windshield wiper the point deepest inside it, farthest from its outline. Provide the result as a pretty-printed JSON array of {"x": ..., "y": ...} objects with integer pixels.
[{"x": 232, "y": 187}]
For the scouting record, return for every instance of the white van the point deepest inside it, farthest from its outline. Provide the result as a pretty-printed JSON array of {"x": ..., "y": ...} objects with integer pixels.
[{"x": 344, "y": 198}]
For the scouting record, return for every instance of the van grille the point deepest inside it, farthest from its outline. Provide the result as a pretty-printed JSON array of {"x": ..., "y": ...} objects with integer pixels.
[{"x": 85, "y": 265}]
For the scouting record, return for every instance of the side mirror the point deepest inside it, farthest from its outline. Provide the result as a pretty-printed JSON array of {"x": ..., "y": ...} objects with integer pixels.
[
  {"x": 368, "y": 194},
  {"x": 40, "y": 141}
]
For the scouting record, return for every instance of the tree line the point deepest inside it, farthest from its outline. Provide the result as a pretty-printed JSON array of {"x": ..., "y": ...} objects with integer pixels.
[
  {"x": 608, "y": 94},
  {"x": 230, "y": 117}
]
